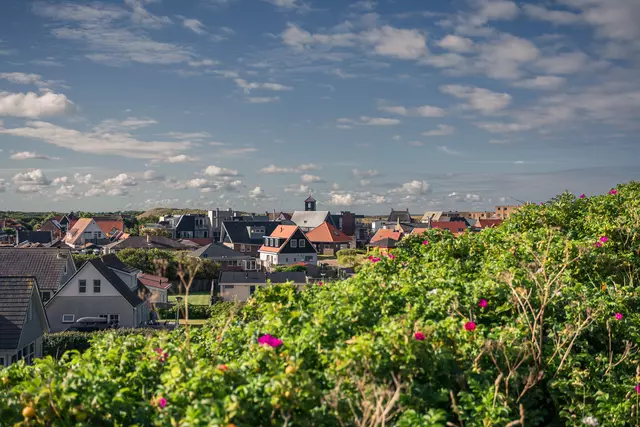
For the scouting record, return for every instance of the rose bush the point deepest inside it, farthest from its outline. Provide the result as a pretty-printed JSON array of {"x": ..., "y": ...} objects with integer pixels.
[{"x": 532, "y": 323}]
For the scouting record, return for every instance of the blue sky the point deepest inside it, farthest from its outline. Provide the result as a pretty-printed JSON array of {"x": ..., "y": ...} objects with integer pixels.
[{"x": 251, "y": 104}]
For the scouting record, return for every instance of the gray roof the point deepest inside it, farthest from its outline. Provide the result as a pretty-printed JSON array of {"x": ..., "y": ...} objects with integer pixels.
[
  {"x": 310, "y": 219},
  {"x": 112, "y": 261},
  {"x": 42, "y": 263},
  {"x": 403, "y": 216},
  {"x": 140, "y": 242},
  {"x": 257, "y": 277},
  {"x": 131, "y": 296},
  {"x": 15, "y": 294},
  {"x": 237, "y": 230},
  {"x": 34, "y": 236},
  {"x": 217, "y": 252}
]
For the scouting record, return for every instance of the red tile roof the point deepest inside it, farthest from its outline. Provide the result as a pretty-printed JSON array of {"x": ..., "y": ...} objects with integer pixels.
[
  {"x": 202, "y": 241},
  {"x": 151, "y": 281},
  {"x": 283, "y": 232},
  {"x": 385, "y": 233},
  {"x": 106, "y": 225},
  {"x": 327, "y": 233},
  {"x": 489, "y": 222},
  {"x": 453, "y": 226}
]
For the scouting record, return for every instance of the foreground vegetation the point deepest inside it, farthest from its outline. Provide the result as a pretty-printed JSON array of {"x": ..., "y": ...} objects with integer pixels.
[{"x": 533, "y": 323}]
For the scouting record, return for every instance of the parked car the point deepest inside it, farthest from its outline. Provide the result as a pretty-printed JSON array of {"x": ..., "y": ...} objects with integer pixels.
[{"x": 91, "y": 324}]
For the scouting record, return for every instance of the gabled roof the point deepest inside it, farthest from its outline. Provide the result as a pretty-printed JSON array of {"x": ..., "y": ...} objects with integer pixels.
[
  {"x": 15, "y": 294},
  {"x": 75, "y": 233},
  {"x": 452, "y": 226},
  {"x": 237, "y": 231},
  {"x": 47, "y": 265},
  {"x": 217, "y": 252},
  {"x": 151, "y": 281},
  {"x": 384, "y": 233},
  {"x": 282, "y": 232},
  {"x": 140, "y": 242},
  {"x": 384, "y": 243},
  {"x": 132, "y": 297},
  {"x": 310, "y": 219},
  {"x": 229, "y": 277},
  {"x": 108, "y": 225},
  {"x": 112, "y": 261},
  {"x": 402, "y": 216},
  {"x": 199, "y": 241},
  {"x": 434, "y": 215},
  {"x": 327, "y": 233},
  {"x": 310, "y": 199}
]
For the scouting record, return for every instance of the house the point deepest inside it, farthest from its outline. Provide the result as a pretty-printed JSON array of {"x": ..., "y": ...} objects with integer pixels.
[
  {"x": 23, "y": 320},
  {"x": 384, "y": 245},
  {"x": 279, "y": 216},
  {"x": 226, "y": 257},
  {"x": 239, "y": 286},
  {"x": 34, "y": 236},
  {"x": 65, "y": 222},
  {"x": 54, "y": 227},
  {"x": 308, "y": 220},
  {"x": 328, "y": 240},
  {"x": 110, "y": 226},
  {"x": 505, "y": 211},
  {"x": 246, "y": 236},
  {"x": 157, "y": 286},
  {"x": 84, "y": 231},
  {"x": 50, "y": 266},
  {"x": 481, "y": 215},
  {"x": 384, "y": 233},
  {"x": 399, "y": 216},
  {"x": 193, "y": 226},
  {"x": 102, "y": 287},
  {"x": 287, "y": 245},
  {"x": 488, "y": 223},
  {"x": 455, "y": 227},
  {"x": 215, "y": 220},
  {"x": 145, "y": 242}
]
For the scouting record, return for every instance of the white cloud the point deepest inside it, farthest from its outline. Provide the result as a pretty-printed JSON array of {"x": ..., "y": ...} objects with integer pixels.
[
  {"x": 67, "y": 191},
  {"x": 297, "y": 189},
  {"x": 262, "y": 99},
  {"x": 194, "y": 25},
  {"x": 180, "y": 158},
  {"x": 456, "y": 43},
  {"x": 502, "y": 58},
  {"x": 195, "y": 136},
  {"x": 29, "y": 189},
  {"x": 479, "y": 99},
  {"x": 232, "y": 152},
  {"x": 33, "y": 105},
  {"x": 371, "y": 173},
  {"x": 442, "y": 130},
  {"x": 448, "y": 150},
  {"x": 612, "y": 19},
  {"x": 337, "y": 199},
  {"x": 541, "y": 82},
  {"x": 152, "y": 175},
  {"x": 504, "y": 127},
  {"x": 83, "y": 179},
  {"x": 198, "y": 183},
  {"x": 306, "y": 167},
  {"x": 130, "y": 123},
  {"x": 413, "y": 188},
  {"x": 345, "y": 123},
  {"x": 491, "y": 10},
  {"x": 28, "y": 155},
  {"x": 121, "y": 180},
  {"x": 143, "y": 17},
  {"x": 249, "y": 86},
  {"x": 3, "y": 186},
  {"x": 23, "y": 78},
  {"x": 286, "y": 4},
  {"x": 554, "y": 16},
  {"x": 418, "y": 143},
  {"x": 218, "y": 171},
  {"x": 424, "y": 111},
  {"x": 364, "y": 182},
  {"x": 397, "y": 43},
  {"x": 257, "y": 193},
  {"x": 565, "y": 63},
  {"x": 32, "y": 177},
  {"x": 309, "y": 179},
  {"x": 202, "y": 63},
  {"x": 60, "y": 180},
  {"x": 97, "y": 141}
]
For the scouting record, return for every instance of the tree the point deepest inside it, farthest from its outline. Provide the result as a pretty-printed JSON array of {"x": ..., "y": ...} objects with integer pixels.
[
  {"x": 9, "y": 231},
  {"x": 145, "y": 231}
]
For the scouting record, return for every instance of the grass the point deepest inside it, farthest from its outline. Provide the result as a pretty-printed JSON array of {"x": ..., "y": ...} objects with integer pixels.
[{"x": 196, "y": 298}]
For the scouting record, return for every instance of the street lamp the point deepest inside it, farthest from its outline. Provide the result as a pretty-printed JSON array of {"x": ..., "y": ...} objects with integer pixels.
[{"x": 179, "y": 300}]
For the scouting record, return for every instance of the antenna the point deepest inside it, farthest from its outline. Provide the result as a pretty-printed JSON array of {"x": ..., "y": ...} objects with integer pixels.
[{"x": 517, "y": 200}]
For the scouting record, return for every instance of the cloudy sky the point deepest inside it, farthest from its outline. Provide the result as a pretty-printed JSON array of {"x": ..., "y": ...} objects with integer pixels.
[{"x": 251, "y": 104}]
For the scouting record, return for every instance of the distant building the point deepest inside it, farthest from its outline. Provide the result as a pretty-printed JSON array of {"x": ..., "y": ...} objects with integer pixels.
[
  {"x": 226, "y": 257},
  {"x": 23, "y": 320},
  {"x": 399, "y": 216},
  {"x": 54, "y": 227},
  {"x": 146, "y": 242},
  {"x": 157, "y": 286},
  {"x": 215, "y": 220},
  {"x": 328, "y": 240},
  {"x": 238, "y": 286},
  {"x": 246, "y": 237},
  {"x": 34, "y": 236},
  {"x": 84, "y": 231},
  {"x": 505, "y": 211},
  {"x": 287, "y": 245}
]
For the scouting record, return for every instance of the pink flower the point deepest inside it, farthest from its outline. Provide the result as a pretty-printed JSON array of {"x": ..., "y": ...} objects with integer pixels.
[
  {"x": 374, "y": 259},
  {"x": 582, "y": 196},
  {"x": 470, "y": 326},
  {"x": 541, "y": 203},
  {"x": 426, "y": 242},
  {"x": 162, "y": 356},
  {"x": 619, "y": 316},
  {"x": 162, "y": 402},
  {"x": 419, "y": 336},
  {"x": 613, "y": 192},
  {"x": 270, "y": 341},
  {"x": 404, "y": 264},
  {"x": 222, "y": 367},
  {"x": 598, "y": 245},
  {"x": 482, "y": 303},
  {"x": 391, "y": 256},
  {"x": 637, "y": 388},
  {"x": 604, "y": 239}
]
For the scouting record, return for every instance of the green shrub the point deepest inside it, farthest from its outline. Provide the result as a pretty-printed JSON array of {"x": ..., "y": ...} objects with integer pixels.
[
  {"x": 534, "y": 323},
  {"x": 57, "y": 344}
]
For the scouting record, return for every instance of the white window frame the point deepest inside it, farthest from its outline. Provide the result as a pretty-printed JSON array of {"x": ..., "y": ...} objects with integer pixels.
[
  {"x": 302, "y": 243},
  {"x": 73, "y": 318},
  {"x": 80, "y": 291},
  {"x": 99, "y": 283},
  {"x": 294, "y": 243}
]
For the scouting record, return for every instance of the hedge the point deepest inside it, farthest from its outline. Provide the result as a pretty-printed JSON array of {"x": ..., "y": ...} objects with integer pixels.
[
  {"x": 57, "y": 344},
  {"x": 197, "y": 311}
]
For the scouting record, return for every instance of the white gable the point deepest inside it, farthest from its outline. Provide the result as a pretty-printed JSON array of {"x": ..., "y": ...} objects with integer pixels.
[{"x": 88, "y": 273}]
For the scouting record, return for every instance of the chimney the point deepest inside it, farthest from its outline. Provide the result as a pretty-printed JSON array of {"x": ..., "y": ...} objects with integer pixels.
[{"x": 148, "y": 238}]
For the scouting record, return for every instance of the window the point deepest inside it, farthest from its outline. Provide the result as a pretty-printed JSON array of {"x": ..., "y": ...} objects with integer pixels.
[
  {"x": 1, "y": 361},
  {"x": 286, "y": 260},
  {"x": 29, "y": 354},
  {"x": 13, "y": 359},
  {"x": 242, "y": 248},
  {"x": 229, "y": 286},
  {"x": 114, "y": 318},
  {"x": 252, "y": 289},
  {"x": 205, "y": 256},
  {"x": 206, "y": 234},
  {"x": 96, "y": 286},
  {"x": 96, "y": 234},
  {"x": 294, "y": 243},
  {"x": 460, "y": 229},
  {"x": 68, "y": 318},
  {"x": 302, "y": 243},
  {"x": 82, "y": 286}
]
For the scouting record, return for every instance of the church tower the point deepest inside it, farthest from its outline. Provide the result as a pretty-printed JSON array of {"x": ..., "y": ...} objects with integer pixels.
[{"x": 310, "y": 204}]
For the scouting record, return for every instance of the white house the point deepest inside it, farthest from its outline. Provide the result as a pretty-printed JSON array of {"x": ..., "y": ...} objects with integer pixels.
[
  {"x": 287, "y": 245},
  {"x": 84, "y": 231}
]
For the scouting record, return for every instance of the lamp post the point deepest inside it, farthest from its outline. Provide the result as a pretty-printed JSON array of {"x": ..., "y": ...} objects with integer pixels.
[{"x": 179, "y": 300}]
